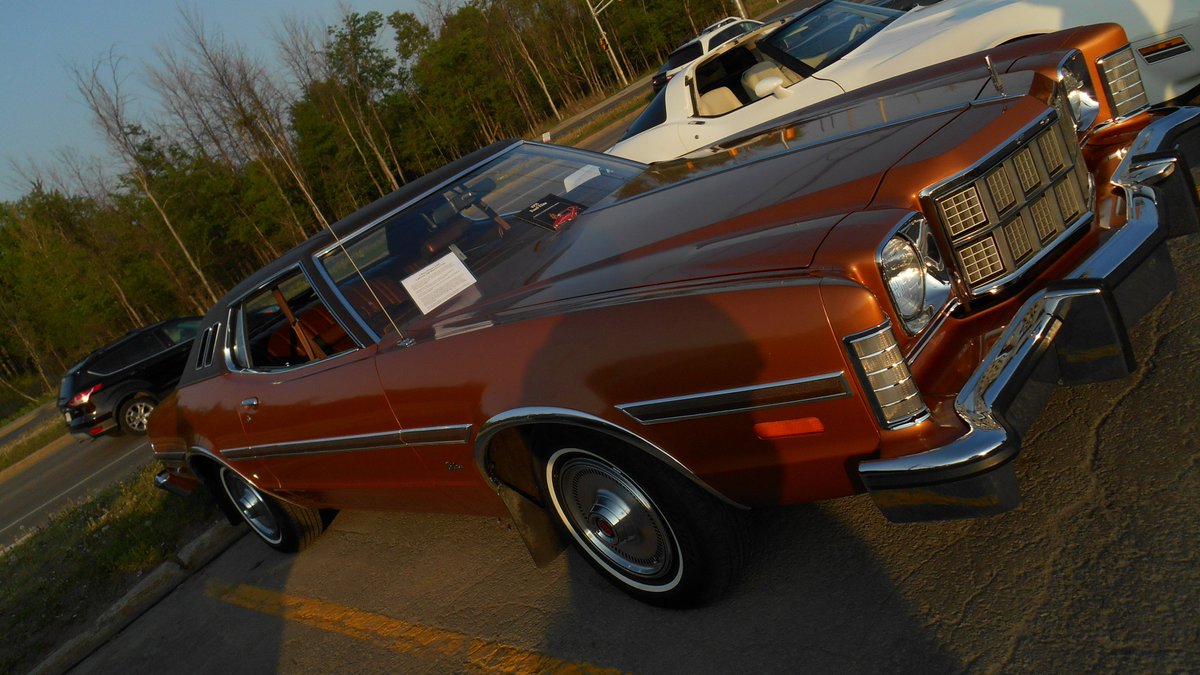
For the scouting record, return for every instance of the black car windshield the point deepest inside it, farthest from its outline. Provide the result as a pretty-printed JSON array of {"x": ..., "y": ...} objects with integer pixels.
[
  {"x": 448, "y": 248},
  {"x": 824, "y": 35},
  {"x": 654, "y": 115},
  {"x": 684, "y": 55}
]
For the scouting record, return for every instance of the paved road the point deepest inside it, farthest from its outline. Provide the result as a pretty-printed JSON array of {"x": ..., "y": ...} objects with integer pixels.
[
  {"x": 63, "y": 472},
  {"x": 1098, "y": 571},
  {"x": 27, "y": 424}
]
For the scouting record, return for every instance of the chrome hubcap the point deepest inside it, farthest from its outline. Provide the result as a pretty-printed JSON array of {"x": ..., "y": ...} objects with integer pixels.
[
  {"x": 251, "y": 504},
  {"x": 615, "y": 517},
  {"x": 137, "y": 415}
]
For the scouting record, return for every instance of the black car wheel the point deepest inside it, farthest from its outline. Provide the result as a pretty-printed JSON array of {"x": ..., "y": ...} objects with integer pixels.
[
  {"x": 283, "y": 526},
  {"x": 134, "y": 414},
  {"x": 647, "y": 529}
]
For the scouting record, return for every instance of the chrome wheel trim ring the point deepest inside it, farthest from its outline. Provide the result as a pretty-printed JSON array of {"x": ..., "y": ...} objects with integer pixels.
[
  {"x": 137, "y": 415},
  {"x": 614, "y": 520},
  {"x": 252, "y": 505}
]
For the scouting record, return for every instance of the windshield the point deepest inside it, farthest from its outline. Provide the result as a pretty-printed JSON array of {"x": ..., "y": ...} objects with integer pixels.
[
  {"x": 684, "y": 55},
  {"x": 825, "y": 34},
  {"x": 458, "y": 244},
  {"x": 654, "y": 115}
]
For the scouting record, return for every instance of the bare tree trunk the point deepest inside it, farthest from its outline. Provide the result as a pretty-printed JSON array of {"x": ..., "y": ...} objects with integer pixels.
[
  {"x": 30, "y": 350},
  {"x": 133, "y": 313},
  {"x": 537, "y": 74},
  {"x": 108, "y": 106}
]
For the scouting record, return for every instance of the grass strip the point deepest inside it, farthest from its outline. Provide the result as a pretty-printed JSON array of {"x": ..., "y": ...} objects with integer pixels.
[
  {"x": 66, "y": 574},
  {"x": 599, "y": 122},
  {"x": 31, "y": 443}
]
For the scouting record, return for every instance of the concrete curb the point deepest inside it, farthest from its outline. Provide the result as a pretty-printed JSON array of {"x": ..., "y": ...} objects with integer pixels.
[{"x": 157, "y": 585}]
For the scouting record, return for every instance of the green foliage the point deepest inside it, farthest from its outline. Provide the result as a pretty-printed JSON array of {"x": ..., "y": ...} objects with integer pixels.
[{"x": 239, "y": 170}]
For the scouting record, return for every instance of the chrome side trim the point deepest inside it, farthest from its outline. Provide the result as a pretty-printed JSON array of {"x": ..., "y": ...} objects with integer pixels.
[
  {"x": 456, "y": 434},
  {"x": 549, "y": 415},
  {"x": 740, "y": 399}
]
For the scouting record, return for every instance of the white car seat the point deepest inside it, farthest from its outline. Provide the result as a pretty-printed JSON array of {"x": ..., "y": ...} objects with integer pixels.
[
  {"x": 718, "y": 102},
  {"x": 757, "y": 73}
]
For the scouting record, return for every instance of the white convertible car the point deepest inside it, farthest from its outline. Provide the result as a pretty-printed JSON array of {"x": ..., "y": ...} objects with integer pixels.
[{"x": 837, "y": 46}]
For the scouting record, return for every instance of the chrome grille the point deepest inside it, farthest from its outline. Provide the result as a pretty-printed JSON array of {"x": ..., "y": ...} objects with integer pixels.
[
  {"x": 1026, "y": 170},
  {"x": 886, "y": 377},
  {"x": 1123, "y": 82},
  {"x": 1068, "y": 200},
  {"x": 998, "y": 231},
  {"x": 1018, "y": 238},
  {"x": 1052, "y": 153},
  {"x": 981, "y": 261},
  {"x": 964, "y": 212},
  {"x": 1043, "y": 219},
  {"x": 1001, "y": 189}
]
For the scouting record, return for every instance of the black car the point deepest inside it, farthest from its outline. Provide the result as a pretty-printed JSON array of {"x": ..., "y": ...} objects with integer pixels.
[{"x": 117, "y": 386}]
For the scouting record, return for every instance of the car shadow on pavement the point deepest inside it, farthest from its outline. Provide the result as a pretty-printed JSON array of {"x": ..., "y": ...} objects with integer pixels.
[{"x": 813, "y": 599}]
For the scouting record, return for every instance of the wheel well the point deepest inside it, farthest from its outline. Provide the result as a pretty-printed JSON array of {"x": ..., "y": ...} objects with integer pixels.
[
  {"x": 515, "y": 455},
  {"x": 208, "y": 470},
  {"x": 129, "y": 396}
]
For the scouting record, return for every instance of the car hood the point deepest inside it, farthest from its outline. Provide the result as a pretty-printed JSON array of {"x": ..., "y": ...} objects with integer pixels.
[
  {"x": 928, "y": 35},
  {"x": 759, "y": 206},
  {"x": 688, "y": 223}
]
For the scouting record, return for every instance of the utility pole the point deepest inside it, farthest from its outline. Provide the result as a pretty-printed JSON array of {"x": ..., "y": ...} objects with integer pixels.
[
  {"x": 741, "y": 9},
  {"x": 604, "y": 43}
]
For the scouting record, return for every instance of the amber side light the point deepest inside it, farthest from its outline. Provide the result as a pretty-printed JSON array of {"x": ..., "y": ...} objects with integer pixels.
[
  {"x": 1157, "y": 47},
  {"x": 803, "y": 426}
]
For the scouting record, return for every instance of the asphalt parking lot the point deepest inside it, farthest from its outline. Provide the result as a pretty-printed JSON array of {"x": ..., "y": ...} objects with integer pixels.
[{"x": 1097, "y": 571}]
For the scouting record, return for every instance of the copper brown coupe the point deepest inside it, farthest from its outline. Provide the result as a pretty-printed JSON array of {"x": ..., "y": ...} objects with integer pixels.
[{"x": 871, "y": 296}]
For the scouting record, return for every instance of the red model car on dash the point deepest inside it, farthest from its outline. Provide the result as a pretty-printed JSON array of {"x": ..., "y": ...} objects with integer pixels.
[{"x": 871, "y": 296}]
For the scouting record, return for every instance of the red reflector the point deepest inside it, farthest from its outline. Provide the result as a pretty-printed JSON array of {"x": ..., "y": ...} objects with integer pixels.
[
  {"x": 785, "y": 428},
  {"x": 96, "y": 431}
]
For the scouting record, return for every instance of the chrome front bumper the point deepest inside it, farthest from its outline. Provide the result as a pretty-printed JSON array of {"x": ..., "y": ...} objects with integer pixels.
[{"x": 1072, "y": 332}]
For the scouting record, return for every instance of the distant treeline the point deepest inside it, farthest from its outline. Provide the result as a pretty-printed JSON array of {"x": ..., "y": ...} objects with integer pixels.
[{"x": 243, "y": 161}]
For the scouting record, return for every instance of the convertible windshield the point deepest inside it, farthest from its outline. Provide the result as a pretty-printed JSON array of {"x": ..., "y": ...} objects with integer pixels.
[
  {"x": 452, "y": 245},
  {"x": 825, "y": 34}
]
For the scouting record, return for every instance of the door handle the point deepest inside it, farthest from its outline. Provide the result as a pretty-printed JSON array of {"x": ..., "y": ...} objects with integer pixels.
[{"x": 249, "y": 406}]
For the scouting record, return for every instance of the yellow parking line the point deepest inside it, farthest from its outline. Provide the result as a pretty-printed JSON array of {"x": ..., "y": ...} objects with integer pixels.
[{"x": 476, "y": 655}]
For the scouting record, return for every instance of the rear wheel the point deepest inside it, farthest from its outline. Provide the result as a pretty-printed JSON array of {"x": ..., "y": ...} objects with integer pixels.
[
  {"x": 283, "y": 526},
  {"x": 134, "y": 414},
  {"x": 644, "y": 527}
]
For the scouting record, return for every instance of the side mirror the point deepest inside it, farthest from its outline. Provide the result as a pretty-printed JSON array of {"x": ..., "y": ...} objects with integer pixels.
[{"x": 771, "y": 85}]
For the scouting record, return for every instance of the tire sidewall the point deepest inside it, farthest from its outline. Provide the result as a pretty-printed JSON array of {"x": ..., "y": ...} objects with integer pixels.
[
  {"x": 285, "y": 542},
  {"x": 685, "y": 584}
]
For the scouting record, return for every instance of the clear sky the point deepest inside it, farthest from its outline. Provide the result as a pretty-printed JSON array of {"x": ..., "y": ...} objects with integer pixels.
[{"x": 40, "y": 40}]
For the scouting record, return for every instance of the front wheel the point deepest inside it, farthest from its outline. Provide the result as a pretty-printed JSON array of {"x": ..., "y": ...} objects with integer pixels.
[
  {"x": 282, "y": 525},
  {"x": 644, "y": 527}
]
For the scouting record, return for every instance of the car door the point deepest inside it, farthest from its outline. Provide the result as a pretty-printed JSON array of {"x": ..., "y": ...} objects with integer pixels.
[{"x": 311, "y": 407}]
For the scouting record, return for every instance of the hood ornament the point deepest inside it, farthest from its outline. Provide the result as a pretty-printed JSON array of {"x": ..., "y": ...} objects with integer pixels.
[{"x": 994, "y": 75}]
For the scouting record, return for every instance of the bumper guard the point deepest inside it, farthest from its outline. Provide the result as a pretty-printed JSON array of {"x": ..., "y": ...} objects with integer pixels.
[{"x": 1074, "y": 331}]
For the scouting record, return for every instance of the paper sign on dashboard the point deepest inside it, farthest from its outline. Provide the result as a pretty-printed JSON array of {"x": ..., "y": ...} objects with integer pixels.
[{"x": 438, "y": 282}]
